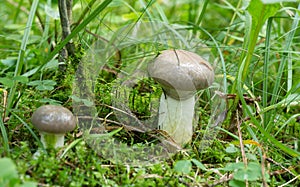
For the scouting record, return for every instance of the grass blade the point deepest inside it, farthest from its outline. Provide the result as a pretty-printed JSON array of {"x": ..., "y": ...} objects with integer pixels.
[
  {"x": 284, "y": 58},
  {"x": 275, "y": 92},
  {"x": 30, "y": 130},
  {"x": 266, "y": 135},
  {"x": 4, "y": 137},
  {"x": 198, "y": 22},
  {"x": 265, "y": 71},
  {"x": 256, "y": 16}
]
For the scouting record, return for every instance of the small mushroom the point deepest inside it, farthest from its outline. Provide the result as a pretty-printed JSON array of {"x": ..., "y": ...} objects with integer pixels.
[
  {"x": 180, "y": 73},
  {"x": 53, "y": 122}
]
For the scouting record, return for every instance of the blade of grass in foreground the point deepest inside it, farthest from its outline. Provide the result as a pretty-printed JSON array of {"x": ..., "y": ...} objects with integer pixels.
[
  {"x": 20, "y": 59},
  {"x": 257, "y": 14},
  {"x": 265, "y": 71},
  {"x": 4, "y": 137}
]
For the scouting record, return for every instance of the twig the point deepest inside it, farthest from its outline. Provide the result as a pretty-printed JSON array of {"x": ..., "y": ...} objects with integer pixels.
[
  {"x": 69, "y": 4},
  {"x": 241, "y": 143},
  {"x": 64, "y": 13},
  {"x": 278, "y": 164},
  {"x": 162, "y": 136},
  {"x": 263, "y": 171},
  {"x": 130, "y": 114},
  {"x": 4, "y": 103},
  {"x": 289, "y": 181},
  {"x": 224, "y": 178}
]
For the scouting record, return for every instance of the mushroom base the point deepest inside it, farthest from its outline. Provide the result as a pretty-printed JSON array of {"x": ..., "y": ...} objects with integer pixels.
[
  {"x": 176, "y": 118},
  {"x": 52, "y": 140}
]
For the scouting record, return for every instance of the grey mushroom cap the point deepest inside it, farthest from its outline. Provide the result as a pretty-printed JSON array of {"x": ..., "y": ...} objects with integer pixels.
[
  {"x": 181, "y": 73},
  {"x": 53, "y": 119}
]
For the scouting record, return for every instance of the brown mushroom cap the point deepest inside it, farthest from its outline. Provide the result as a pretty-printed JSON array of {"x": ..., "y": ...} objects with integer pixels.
[
  {"x": 181, "y": 73},
  {"x": 53, "y": 119}
]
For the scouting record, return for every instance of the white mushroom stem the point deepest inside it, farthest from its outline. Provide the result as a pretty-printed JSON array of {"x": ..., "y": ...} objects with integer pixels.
[
  {"x": 50, "y": 140},
  {"x": 176, "y": 118}
]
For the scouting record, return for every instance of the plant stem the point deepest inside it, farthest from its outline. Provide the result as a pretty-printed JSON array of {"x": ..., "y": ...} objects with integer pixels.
[{"x": 65, "y": 12}]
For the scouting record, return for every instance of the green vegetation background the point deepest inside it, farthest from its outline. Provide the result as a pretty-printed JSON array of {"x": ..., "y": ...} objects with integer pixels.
[{"x": 255, "y": 45}]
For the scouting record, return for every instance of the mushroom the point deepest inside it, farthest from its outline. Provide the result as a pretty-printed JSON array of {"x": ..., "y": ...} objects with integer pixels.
[
  {"x": 180, "y": 73},
  {"x": 53, "y": 122}
]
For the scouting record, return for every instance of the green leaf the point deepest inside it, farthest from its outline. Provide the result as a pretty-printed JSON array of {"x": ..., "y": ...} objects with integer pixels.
[
  {"x": 261, "y": 12},
  {"x": 199, "y": 164},
  {"x": 9, "y": 61},
  {"x": 9, "y": 175},
  {"x": 34, "y": 83},
  {"x": 251, "y": 173},
  {"x": 43, "y": 84},
  {"x": 231, "y": 149},
  {"x": 234, "y": 166},
  {"x": 10, "y": 170},
  {"x": 236, "y": 183},
  {"x": 20, "y": 78},
  {"x": 86, "y": 102},
  {"x": 44, "y": 87},
  {"x": 251, "y": 156},
  {"x": 31, "y": 72},
  {"x": 183, "y": 166},
  {"x": 257, "y": 15},
  {"x": 52, "y": 64},
  {"x": 75, "y": 98},
  {"x": 7, "y": 82},
  {"x": 49, "y": 82}
]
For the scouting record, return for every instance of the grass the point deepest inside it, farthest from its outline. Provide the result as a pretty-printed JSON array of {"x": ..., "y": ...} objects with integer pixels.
[{"x": 106, "y": 84}]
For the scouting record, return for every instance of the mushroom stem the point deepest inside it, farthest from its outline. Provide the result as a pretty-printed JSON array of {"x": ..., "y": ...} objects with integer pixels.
[
  {"x": 50, "y": 140},
  {"x": 176, "y": 118}
]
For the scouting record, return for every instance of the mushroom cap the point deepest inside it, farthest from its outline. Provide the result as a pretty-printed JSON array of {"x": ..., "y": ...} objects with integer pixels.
[
  {"x": 181, "y": 73},
  {"x": 53, "y": 119}
]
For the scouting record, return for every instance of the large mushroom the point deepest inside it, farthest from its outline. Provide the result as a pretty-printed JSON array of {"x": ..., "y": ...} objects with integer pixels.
[
  {"x": 53, "y": 122},
  {"x": 180, "y": 73}
]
